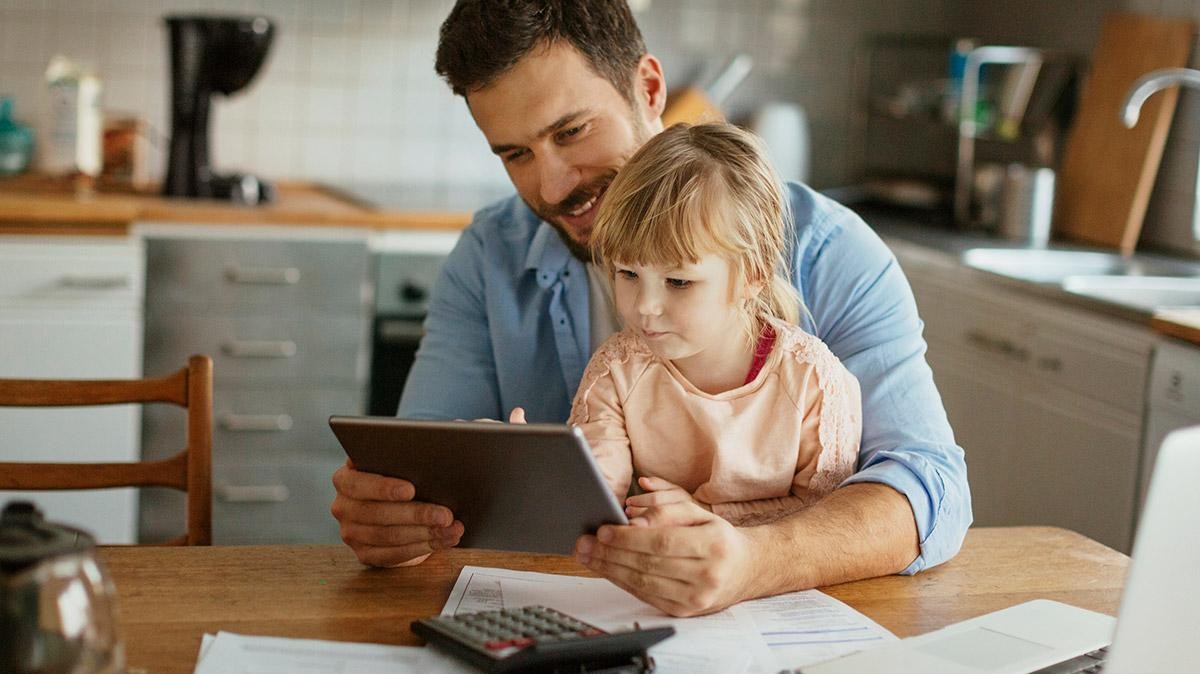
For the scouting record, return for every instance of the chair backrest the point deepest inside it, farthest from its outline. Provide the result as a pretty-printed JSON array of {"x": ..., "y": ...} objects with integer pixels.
[{"x": 189, "y": 471}]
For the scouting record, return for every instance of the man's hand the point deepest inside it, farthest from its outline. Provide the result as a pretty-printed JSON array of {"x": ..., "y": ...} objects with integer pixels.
[
  {"x": 382, "y": 523},
  {"x": 697, "y": 564},
  {"x": 658, "y": 492}
]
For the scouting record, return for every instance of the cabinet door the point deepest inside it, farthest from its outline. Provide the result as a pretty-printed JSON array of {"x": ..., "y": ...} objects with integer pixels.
[
  {"x": 1075, "y": 465},
  {"x": 43, "y": 345},
  {"x": 980, "y": 406}
]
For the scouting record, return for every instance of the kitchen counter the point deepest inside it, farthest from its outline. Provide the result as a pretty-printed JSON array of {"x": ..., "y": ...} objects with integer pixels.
[
  {"x": 41, "y": 205},
  {"x": 1179, "y": 323},
  {"x": 949, "y": 245}
]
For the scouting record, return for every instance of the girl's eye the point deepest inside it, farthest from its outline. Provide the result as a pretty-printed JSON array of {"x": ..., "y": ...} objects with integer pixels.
[
  {"x": 626, "y": 274},
  {"x": 678, "y": 283}
]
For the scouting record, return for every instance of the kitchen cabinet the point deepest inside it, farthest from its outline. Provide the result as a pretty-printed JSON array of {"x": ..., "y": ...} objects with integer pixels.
[
  {"x": 1047, "y": 400},
  {"x": 285, "y": 314},
  {"x": 71, "y": 308}
]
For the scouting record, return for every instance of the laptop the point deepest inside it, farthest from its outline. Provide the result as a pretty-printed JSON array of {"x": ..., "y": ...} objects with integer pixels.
[
  {"x": 521, "y": 487},
  {"x": 1159, "y": 615}
]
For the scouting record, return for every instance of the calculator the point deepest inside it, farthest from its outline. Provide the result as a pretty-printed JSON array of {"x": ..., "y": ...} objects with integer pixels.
[{"x": 540, "y": 639}]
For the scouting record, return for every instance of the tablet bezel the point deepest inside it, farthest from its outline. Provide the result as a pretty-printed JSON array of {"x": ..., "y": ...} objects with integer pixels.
[{"x": 517, "y": 487}]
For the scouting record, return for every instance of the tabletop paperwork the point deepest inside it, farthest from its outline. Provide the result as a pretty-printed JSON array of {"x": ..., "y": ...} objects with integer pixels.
[{"x": 762, "y": 636}]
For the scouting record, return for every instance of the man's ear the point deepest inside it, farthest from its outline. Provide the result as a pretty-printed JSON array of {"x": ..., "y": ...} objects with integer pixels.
[{"x": 650, "y": 88}]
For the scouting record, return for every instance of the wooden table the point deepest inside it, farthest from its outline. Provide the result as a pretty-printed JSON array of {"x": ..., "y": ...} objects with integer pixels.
[{"x": 169, "y": 597}]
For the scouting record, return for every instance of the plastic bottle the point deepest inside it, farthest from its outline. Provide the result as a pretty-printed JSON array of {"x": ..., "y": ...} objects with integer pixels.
[
  {"x": 74, "y": 139},
  {"x": 16, "y": 141}
]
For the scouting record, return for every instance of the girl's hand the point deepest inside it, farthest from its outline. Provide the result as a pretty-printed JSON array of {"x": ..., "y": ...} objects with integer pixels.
[{"x": 658, "y": 492}]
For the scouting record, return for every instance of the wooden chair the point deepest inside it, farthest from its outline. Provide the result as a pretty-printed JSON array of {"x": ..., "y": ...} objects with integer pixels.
[{"x": 189, "y": 471}]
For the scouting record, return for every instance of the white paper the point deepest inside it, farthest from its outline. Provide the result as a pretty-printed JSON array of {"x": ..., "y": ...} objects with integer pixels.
[
  {"x": 229, "y": 653},
  {"x": 805, "y": 627},
  {"x": 726, "y": 642},
  {"x": 763, "y": 635}
]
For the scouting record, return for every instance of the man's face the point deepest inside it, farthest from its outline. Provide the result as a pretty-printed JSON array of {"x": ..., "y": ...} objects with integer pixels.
[{"x": 562, "y": 132}]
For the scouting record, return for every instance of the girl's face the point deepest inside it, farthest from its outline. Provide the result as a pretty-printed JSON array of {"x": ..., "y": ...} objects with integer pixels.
[{"x": 690, "y": 314}]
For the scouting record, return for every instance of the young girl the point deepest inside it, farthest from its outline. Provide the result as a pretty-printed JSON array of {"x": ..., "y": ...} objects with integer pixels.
[{"x": 711, "y": 392}]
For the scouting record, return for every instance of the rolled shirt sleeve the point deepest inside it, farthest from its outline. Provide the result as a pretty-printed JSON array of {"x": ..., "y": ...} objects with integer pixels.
[{"x": 861, "y": 305}]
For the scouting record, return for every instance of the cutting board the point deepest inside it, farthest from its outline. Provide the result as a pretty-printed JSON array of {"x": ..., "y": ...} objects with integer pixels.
[{"x": 1108, "y": 171}]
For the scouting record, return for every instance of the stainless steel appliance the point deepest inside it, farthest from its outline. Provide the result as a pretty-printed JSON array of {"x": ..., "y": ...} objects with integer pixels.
[
  {"x": 57, "y": 605},
  {"x": 1172, "y": 401},
  {"x": 406, "y": 266}
]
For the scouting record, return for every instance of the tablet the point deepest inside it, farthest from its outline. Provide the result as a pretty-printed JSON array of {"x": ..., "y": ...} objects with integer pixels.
[{"x": 520, "y": 487}]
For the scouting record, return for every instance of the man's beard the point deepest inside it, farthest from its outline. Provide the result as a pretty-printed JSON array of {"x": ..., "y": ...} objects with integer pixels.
[{"x": 581, "y": 195}]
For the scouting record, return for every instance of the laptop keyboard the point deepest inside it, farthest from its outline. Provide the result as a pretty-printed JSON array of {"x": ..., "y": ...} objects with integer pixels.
[{"x": 1088, "y": 663}]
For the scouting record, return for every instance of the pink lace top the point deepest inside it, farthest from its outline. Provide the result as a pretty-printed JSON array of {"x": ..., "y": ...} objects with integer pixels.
[{"x": 755, "y": 453}]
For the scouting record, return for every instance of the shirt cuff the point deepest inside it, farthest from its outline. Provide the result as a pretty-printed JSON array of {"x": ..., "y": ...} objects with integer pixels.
[{"x": 899, "y": 477}]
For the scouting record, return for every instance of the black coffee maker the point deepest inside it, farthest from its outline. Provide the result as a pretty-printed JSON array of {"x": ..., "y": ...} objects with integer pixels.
[{"x": 210, "y": 55}]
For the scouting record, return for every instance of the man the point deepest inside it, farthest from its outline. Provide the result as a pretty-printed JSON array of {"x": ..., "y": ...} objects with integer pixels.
[{"x": 564, "y": 92}]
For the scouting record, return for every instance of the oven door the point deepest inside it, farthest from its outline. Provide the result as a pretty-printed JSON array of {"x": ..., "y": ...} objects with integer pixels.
[{"x": 394, "y": 349}]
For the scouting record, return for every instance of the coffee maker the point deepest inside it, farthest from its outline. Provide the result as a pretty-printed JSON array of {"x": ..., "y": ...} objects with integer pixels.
[{"x": 210, "y": 55}]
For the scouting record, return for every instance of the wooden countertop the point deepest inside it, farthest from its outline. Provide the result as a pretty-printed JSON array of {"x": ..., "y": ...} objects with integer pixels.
[
  {"x": 169, "y": 597},
  {"x": 1179, "y": 323},
  {"x": 33, "y": 204}
]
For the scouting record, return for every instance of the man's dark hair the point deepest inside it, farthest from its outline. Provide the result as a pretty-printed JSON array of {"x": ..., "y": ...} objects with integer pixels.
[{"x": 483, "y": 39}]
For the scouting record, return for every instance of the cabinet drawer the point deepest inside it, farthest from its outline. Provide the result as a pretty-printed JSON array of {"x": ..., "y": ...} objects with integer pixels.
[
  {"x": 71, "y": 274},
  {"x": 259, "y": 427},
  {"x": 253, "y": 505},
  {"x": 1098, "y": 371},
  {"x": 322, "y": 347},
  {"x": 270, "y": 276}
]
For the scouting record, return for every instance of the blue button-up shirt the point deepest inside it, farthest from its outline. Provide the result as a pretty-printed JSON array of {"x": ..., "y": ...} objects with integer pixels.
[{"x": 508, "y": 326}]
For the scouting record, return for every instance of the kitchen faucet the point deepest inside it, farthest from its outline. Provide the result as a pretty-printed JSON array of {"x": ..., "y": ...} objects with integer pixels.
[{"x": 1151, "y": 82}]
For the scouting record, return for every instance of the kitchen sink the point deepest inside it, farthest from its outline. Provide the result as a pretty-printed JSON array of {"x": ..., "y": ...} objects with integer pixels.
[
  {"x": 1150, "y": 293},
  {"x": 1041, "y": 265}
]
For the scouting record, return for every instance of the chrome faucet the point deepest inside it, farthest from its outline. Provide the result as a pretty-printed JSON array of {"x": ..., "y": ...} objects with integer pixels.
[{"x": 1151, "y": 82}]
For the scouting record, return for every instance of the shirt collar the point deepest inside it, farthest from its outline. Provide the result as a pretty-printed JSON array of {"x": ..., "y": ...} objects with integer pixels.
[{"x": 547, "y": 255}]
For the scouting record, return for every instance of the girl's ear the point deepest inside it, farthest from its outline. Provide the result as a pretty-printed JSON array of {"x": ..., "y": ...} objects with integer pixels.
[{"x": 751, "y": 288}]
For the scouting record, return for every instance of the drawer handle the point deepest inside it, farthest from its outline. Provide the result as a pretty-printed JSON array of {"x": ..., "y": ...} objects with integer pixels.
[
  {"x": 256, "y": 422},
  {"x": 94, "y": 282},
  {"x": 250, "y": 348},
  {"x": 252, "y": 493},
  {"x": 271, "y": 276},
  {"x": 999, "y": 345},
  {"x": 1050, "y": 363}
]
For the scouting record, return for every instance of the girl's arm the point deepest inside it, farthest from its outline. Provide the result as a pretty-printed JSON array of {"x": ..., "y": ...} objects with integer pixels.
[{"x": 598, "y": 412}]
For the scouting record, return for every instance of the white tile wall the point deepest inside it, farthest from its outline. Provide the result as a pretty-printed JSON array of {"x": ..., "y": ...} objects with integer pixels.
[{"x": 348, "y": 92}]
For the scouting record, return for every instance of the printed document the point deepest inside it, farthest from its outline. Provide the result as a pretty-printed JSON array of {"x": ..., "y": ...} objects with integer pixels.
[
  {"x": 761, "y": 636},
  {"x": 228, "y": 653}
]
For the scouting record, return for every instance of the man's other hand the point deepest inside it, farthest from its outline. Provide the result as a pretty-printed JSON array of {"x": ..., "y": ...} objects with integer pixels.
[
  {"x": 382, "y": 523},
  {"x": 677, "y": 557}
]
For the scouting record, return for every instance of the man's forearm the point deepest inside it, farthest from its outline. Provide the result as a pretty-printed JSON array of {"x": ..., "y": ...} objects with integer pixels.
[{"x": 859, "y": 531}]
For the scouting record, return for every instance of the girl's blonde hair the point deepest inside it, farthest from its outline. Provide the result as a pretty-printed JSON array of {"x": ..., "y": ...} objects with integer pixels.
[{"x": 696, "y": 190}]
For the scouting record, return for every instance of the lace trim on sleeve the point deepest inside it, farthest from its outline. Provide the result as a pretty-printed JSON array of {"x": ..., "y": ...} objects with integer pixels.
[
  {"x": 840, "y": 423},
  {"x": 615, "y": 350}
]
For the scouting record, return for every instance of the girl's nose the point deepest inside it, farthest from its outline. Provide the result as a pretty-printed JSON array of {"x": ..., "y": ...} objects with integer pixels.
[{"x": 649, "y": 302}]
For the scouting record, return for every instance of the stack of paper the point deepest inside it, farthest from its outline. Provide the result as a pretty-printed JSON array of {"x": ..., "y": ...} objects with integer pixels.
[
  {"x": 764, "y": 635},
  {"x": 756, "y": 637},
  {"x": 228, "y": 653}
]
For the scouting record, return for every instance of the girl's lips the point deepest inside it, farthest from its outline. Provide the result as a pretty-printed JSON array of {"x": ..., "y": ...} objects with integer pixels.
[{"x": 650, "y": 334}]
